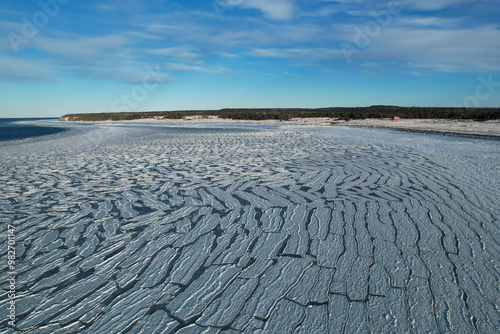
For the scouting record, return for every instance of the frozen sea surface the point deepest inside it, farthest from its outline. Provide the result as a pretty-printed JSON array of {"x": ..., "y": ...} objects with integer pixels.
[{"x": 128, "y": 228}]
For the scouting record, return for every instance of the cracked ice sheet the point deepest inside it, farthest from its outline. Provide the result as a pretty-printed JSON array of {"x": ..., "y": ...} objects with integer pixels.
[{"x": 159, "y": 229}]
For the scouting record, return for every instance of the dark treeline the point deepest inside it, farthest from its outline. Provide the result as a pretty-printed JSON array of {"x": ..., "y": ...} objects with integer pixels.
[{"x": 480, "y": 114}]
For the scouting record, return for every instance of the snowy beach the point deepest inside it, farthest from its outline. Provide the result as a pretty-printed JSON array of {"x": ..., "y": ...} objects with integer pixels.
[{"x": 470, "y": 128}]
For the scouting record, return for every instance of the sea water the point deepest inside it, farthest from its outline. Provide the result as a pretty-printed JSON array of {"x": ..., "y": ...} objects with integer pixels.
[{"x": 21, "y": 128}]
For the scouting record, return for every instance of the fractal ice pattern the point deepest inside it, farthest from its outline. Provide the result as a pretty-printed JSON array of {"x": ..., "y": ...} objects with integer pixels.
[{"x": 137, "y": 228}]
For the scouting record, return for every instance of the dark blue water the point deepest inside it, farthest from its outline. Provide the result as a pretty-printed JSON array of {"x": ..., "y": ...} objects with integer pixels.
[{"x": 11, "y": 130}]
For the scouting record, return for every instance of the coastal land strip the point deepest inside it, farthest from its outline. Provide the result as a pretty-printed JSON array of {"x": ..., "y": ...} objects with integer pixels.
[{"x": 473, "y": 122}]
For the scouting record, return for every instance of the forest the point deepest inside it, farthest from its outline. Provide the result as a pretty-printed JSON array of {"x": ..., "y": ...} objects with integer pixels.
[{"x": 478, "y": 114}]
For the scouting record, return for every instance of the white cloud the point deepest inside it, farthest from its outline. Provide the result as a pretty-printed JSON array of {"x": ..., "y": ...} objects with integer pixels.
[
  {"x": 11, "y": 12},
  {"x": 88, "y": 47},
  {"x": 474, "y": 49},
  {"x": 20, "y": 70},
  {"x": 362, "y": 8},
  {"x": 439, "y": 67},
  {"x": 408, "y": 39},
  {"x": 417, "y": 4},
  {"x": 432, "y": 21},
  {"x": 107, "y": 58},
  {"x": 228, "y": 55},
  {"x": 309, "y": 54},
  {"x": 184, "y": 51},
  {"x": 183, "y": 67},
  {"x": 185, "y": 42},
  {"x": 323, "y": 12},
  {"x": 436, "y": 4},
  {"x": 277, "y": 9},
  {"x": 122, "y": 73}
]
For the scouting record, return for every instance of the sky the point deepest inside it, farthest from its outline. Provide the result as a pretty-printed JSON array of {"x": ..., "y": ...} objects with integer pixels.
[{"x": 69, "y": 56}]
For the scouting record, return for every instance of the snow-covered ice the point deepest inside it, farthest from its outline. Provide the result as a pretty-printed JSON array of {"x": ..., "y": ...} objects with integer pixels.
[{"x": 137, "y": 228}]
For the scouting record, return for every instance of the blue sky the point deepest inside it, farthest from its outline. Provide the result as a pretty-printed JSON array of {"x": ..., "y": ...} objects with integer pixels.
[{"x": 68, "y": 56}]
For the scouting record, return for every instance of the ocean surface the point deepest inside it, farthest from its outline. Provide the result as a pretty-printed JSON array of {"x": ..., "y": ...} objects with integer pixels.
[
  {"x": 22, "y": 128},
  {"x": 193, "y": 228}
]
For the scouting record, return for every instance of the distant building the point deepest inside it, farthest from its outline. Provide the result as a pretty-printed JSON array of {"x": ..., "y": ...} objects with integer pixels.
[{"x": 395, "y": 118}]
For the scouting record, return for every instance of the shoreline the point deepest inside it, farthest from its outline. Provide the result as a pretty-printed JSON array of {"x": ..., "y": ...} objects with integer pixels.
[
  {"x": 315, "y": 121},
  {"x": 431, "y": 132},
  {"x": 475, "y": 129},
  {"x": 467, "y": 128}
]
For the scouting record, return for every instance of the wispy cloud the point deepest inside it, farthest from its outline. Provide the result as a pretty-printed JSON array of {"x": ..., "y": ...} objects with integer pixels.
[
  {"x": 323, "y": 11},
  {"x": 82, "y": 48},
  {"x": 120, "y": 41},
  {"x": 437, "y": 5},
  {"x": 20, "y": 70},
  {"x": 277, "y": 9},
  {"x": 11, "y": 12},
  {"x": 309, "y": 54},
  {"x": 184, "y": 51},
  {"x": 463, "y": 49},
  {"x": 128, "y": 74}
]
